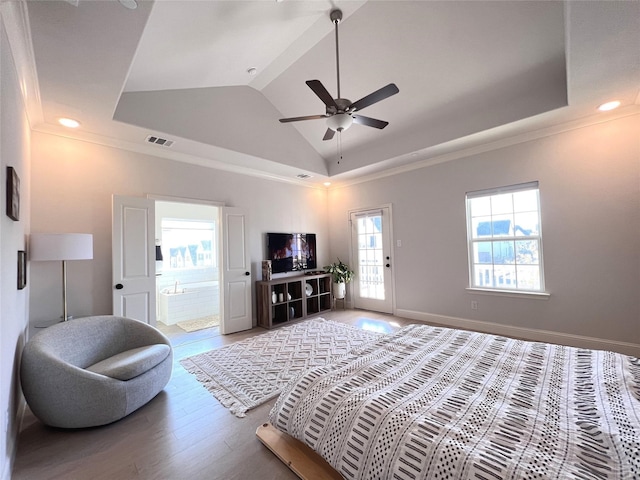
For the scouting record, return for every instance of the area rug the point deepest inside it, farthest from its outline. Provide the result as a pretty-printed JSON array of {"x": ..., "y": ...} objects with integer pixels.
[
  {"x": 251, "y": 372},
  {"x": 199, "y": 323}
]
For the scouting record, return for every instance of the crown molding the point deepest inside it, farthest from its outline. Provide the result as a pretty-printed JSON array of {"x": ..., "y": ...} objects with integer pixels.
[
  {"x": 15, "y": 17},
  {"x": 155, "y": 151},
  {"x": 435, "y": 159}
]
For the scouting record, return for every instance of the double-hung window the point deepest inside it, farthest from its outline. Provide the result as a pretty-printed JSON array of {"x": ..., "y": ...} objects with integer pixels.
[{"x": 505, "y": 239}]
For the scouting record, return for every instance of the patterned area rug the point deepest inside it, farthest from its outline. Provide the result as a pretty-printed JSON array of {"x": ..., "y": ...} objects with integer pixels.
[
  {"x": 199, "y": 323},
  {"x": 251, "y": 372}
]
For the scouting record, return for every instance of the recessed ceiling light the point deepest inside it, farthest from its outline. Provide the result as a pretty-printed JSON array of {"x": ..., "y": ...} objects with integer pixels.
[
  {"x": 69, "y": 122},
  {"x": 605, "y": 107},
  {"x": 327, "y": 184},
  {"x": 252, "y": 71},
  {"x": 130, "y": 4}
]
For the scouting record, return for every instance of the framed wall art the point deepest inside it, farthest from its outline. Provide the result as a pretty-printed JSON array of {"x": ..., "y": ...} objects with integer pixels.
[
  {"x": 13, "y": 194},
  {"x": 22, "y": 269}
]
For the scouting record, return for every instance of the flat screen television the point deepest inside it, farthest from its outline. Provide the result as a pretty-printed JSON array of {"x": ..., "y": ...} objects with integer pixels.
[{"x": 291, "y": 252}]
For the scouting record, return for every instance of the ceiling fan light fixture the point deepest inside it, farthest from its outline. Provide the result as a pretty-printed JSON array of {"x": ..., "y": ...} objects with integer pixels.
[
  {"x": 339, "y": 122},
  {"x": 339, "y": 110}
]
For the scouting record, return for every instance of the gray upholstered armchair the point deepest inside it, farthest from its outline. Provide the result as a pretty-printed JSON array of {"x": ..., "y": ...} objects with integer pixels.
[{"x": 94, "y": 370}]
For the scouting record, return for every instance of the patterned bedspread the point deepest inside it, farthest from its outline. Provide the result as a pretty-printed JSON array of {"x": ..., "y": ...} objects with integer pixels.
[{"x": 438, "y": 403}]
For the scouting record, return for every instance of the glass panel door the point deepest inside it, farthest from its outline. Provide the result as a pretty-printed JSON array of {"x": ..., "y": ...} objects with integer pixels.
[{"x": 371, "y": 245}]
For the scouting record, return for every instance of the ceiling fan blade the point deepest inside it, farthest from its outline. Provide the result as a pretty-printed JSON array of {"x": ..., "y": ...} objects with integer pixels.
[
  {"x": 322, "y": 93},
  {"x": 369, "y": 122},
  {"x": 297, "y": 119},
  {"x": 328, "y": 135},
  {"x": 375, "y": 97}
]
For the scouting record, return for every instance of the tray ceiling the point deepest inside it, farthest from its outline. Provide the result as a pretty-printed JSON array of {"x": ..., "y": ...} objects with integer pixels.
[{"x": 468, "y": 73}]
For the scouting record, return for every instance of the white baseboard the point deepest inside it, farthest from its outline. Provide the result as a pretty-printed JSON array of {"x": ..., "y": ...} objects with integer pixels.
[{"x": 525, "y": 333}]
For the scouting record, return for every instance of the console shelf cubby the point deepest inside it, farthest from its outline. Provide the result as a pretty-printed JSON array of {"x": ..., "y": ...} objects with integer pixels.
[{"x": 296, "y": 298}]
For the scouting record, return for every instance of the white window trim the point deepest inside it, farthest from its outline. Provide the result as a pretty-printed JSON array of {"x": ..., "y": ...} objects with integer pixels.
[
  {"x": 509, "y": 293},
  {"x": 542, "y": 293}
]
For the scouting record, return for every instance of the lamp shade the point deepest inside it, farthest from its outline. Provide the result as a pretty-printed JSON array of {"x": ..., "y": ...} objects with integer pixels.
[{"x": 61, "y": 246}]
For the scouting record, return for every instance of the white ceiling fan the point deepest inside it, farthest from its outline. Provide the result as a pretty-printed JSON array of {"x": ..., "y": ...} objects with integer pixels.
[{"x": 341, "y": 112}]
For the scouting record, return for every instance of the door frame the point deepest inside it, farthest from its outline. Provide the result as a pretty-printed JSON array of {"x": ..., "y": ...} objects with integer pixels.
[
  {"x": 392, "y": 250},
  {"x": 221, "y": 206},
  {"x": 211, "y": 203}
]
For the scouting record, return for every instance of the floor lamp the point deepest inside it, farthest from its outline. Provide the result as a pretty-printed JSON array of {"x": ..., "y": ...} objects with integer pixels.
[{"x": 61, "y": 247}]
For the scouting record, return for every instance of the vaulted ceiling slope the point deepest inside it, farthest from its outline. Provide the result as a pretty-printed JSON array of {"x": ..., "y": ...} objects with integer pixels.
[{"x": 469, "y": 73}]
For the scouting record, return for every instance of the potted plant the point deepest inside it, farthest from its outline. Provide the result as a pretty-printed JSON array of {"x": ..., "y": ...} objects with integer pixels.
[{"x": 342, "y": 275}]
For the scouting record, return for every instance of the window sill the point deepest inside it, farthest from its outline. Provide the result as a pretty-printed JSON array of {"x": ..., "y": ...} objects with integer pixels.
[{"x": 510, "y": 293}]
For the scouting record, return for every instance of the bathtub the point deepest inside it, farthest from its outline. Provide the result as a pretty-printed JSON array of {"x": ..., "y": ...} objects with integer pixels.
[{"x": 188, "y": 302}]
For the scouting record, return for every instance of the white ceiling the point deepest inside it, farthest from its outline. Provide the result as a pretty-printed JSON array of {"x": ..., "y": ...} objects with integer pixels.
[{"x": 469, "y": 73}]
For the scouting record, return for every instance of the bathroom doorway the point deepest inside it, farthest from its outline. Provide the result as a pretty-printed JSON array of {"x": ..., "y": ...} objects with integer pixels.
[{"x": 187, "y": 267}]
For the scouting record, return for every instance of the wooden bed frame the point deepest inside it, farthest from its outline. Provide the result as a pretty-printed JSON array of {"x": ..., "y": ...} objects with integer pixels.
[{"x": 301, "y": 459}]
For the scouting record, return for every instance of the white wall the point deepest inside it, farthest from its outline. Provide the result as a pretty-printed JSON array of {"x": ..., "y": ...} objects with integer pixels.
[
  {"x": 590, "y": 194},
  {"x": 590, "y": 199},
  {"x": 14, "y": 152},
  {"x": 72, "y": 185}
]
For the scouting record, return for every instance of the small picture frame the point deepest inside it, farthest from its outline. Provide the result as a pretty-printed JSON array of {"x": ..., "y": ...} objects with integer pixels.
[
  {"x": 13, "y": 194},
  {"x": 22, "y": 269}
]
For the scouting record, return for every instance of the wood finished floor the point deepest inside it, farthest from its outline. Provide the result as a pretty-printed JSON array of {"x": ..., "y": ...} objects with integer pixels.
[{"x": 183, "y": 433}]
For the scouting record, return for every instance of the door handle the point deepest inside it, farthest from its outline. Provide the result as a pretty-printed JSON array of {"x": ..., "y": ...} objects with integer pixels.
[
  {"x": 119, "y": 286},
  {"x": 247, "y": 273}
]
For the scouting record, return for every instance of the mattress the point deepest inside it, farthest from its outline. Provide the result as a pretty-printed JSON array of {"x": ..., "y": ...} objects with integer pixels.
[{"x": 439, "y": 403}]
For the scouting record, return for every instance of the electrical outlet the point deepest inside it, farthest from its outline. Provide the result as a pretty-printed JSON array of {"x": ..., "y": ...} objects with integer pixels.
[{"x": 474, "y": 305}]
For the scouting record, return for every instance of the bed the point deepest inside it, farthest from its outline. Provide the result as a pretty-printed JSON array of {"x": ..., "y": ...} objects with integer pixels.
[{"x": 439, "y": 403}]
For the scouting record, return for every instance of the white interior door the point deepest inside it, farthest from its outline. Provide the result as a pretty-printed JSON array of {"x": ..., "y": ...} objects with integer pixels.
[
  {"x": 236, "y": 272},
  {"x": 371, "y": 250},
  {"x": 133, "y": 254}
]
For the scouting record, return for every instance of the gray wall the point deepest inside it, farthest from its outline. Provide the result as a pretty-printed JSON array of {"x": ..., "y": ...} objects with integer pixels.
[
  {"x": 590, "y": 197},
  {"x": 73, "y": 183},
  {"x": 14, "y": 152},
  {"x": 590, "y": 200}
]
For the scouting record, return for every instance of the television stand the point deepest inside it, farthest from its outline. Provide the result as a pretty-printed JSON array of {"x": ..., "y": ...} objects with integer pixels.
[{"x": 296, "y": 298}]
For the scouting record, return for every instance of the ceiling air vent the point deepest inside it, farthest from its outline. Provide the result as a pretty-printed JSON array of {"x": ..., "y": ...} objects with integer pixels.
[
  {"x": 159, "y": 141},
  {"x": 303, "y": 176}
]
